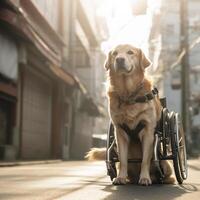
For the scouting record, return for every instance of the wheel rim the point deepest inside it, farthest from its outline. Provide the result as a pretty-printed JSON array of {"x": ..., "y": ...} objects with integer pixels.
[
  {"x": 181, "y": 148},
  {"x": 166, "y": 147}
]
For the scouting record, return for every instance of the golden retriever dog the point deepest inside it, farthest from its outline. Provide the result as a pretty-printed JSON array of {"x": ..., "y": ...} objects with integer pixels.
[{"x": 125, "y": 66}]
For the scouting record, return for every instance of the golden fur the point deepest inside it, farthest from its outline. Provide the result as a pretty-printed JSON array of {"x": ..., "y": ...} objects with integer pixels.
[{"x": 125, "y": 67}]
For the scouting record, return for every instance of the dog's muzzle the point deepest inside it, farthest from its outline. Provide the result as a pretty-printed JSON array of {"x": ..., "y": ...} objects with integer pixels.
[{"x": 121, "y": 66}]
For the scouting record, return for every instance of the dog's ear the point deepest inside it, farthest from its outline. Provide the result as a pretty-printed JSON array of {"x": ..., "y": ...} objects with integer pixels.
[
  {"x": 144, "y": 61},
  {"x": 108, "y": 61}
]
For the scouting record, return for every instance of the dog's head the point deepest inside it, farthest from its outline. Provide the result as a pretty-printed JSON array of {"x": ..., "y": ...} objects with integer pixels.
[{"x": 126, "y": 59}]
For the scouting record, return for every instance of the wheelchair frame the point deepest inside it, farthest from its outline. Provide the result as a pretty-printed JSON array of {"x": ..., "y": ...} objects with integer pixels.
[{"x": 169, "y": 144}]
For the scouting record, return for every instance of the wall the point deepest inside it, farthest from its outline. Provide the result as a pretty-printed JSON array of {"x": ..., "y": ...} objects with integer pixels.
[{"x": 50, "y": 10}]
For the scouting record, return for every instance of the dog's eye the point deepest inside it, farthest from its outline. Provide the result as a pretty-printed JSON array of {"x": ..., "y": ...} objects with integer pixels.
[
  {"x": 130, "y": 52},
  {"x": 114, "y": 53}
]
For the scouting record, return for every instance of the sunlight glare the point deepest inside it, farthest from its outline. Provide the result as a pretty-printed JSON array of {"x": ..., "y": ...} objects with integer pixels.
[{"x": 124, "y": 27}]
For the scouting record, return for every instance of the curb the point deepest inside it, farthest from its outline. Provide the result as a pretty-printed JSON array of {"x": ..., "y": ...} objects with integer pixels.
[{"x": 21, "y": 163}]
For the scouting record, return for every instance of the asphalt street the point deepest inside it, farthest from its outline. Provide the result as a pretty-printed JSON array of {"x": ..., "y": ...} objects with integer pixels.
[{"x": 82, "y": 180}]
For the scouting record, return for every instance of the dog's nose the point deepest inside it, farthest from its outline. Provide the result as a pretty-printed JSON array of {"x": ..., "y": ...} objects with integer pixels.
[{"x": 120, "y": 60}]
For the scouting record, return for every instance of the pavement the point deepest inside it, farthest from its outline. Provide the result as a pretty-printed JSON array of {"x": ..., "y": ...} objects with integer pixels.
[
  {"x": 82, "y": 180},
  {"x": 20, "y": 162}
]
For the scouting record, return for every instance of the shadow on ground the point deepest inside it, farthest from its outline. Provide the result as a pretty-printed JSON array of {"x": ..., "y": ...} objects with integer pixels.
[{"x": 154, "y": 192}]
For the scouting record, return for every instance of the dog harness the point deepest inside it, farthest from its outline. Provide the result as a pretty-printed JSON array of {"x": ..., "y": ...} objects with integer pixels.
[{"x": 133, "y": 133}]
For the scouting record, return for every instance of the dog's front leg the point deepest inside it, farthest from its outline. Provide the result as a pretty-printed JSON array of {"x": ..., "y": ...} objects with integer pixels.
[
  {"x": 122, "y": 146},
  {"x": 147, "y": 139}
]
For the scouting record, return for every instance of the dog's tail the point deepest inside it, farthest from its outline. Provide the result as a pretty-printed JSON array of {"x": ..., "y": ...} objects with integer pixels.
[{"x": 96, "y": 154}]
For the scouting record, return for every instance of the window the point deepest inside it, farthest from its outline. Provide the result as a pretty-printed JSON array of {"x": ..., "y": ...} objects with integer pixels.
[{"x": 6, "y": 122}]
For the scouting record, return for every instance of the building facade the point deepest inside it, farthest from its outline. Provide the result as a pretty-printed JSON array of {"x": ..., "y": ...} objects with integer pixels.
[
  {"x": 164, "y": 49},
  {"x": 40, "y": 82}
]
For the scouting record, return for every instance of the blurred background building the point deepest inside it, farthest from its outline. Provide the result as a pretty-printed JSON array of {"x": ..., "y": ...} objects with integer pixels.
[
  {"x": 51, "y": 92},
  {"x": 165, "y": 51}
]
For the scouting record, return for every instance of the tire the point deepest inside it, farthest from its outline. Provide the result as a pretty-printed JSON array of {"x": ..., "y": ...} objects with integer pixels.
[
  {"x": 113, "y": 171},
  {"x": 110, "y": 135},
  {"x": 111, "y": 168},
  {"x": 178, "y": 148}
]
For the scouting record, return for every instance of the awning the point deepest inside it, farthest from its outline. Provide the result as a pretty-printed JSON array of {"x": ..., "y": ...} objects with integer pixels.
[
  {"x": 63, "y": 75},
  {"x": 81, "y": 86},
  {"x": 68, "y": 78}
]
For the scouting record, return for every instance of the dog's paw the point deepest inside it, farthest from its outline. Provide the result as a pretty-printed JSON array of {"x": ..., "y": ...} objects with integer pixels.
[
  {"x": 119, "y": 181},
  {"x": 145, "y": 181}
]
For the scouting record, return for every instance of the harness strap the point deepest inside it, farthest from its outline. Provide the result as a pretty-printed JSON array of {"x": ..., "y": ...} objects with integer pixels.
[
  {"x": 133, "y": 133},
  {"x": 141, "y": 99}
]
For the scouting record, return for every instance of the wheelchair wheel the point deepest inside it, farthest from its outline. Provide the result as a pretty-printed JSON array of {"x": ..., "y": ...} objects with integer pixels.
[
  {"x": 165, "y": 130},
  {"x": 110, "y": 153},
  {"x": 178, "y": 147}
]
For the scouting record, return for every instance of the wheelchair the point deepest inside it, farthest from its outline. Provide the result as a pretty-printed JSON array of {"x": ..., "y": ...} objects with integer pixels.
[{"x": 169, "y": 144}]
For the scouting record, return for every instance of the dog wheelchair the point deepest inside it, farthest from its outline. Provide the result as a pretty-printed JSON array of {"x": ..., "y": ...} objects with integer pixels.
[{"x": 169, "y": 144}]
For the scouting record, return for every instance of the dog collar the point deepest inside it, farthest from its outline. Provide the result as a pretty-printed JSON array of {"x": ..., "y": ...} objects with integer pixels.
[{"x": 141, "y": 99}]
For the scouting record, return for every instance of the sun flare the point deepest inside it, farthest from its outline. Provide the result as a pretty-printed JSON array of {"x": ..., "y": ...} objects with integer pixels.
[{"x": 124, "y": 26}]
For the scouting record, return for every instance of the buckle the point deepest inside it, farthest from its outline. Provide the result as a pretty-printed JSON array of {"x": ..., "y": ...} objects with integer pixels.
[
  {"x": 155, "y": 91},
  {"x": 131, "y": 101},
  {"x": 149, "y": 96},
  {"x": 146, "y": 99}
]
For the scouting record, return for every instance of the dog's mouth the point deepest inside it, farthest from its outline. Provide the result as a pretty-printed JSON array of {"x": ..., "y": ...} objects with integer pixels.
[
  {"x": 124, "y": 69},
  {"x": 130, "y": 70}
]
